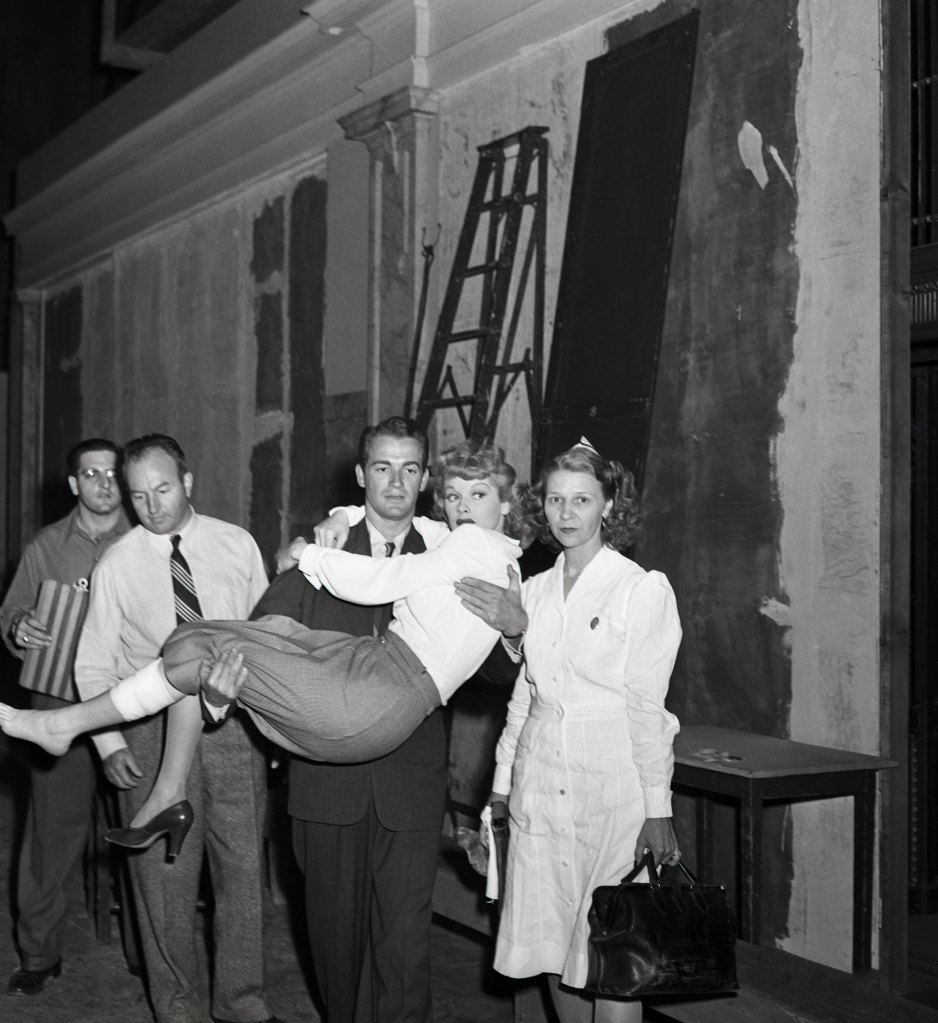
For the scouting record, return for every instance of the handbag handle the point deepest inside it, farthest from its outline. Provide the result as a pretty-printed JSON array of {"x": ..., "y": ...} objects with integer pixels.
[{"x": 647, "y": 862}]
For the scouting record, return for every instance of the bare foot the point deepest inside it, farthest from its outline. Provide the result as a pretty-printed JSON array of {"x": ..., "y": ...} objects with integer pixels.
[{"x": 43, "y": 727}]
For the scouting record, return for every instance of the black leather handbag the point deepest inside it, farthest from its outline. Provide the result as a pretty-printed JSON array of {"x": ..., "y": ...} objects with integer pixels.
[{"x": 661, "y": 938}]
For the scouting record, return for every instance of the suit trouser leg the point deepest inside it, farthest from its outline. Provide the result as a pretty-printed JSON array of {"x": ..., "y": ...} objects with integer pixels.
[
  {"x": 404, "y": 869},
  {"x": 335, "y": 860},
  {"x": 234, "y": 801},
  {"x": 166, "y": 893},
  {"x": 59, "y": 814}
]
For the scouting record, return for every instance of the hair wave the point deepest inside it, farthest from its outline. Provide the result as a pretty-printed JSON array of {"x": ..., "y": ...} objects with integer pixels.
[
  {"x": 622, "y": 526},
  {"x": 473, "y": 461}
]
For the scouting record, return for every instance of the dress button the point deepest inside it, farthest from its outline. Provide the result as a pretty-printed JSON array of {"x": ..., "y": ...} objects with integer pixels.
[{"x": 563, "y": 792}]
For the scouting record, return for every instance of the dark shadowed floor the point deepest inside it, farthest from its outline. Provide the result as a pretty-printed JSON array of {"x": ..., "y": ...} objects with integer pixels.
[{"x": 96, "y": 986}]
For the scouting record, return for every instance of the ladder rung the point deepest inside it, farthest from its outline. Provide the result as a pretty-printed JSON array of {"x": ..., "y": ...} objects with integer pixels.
[
  {"x": 468, "y": 399},
  {"x": 504, "y": 202},
  {"x": 478, "y": 269},
  {"x": 500, "y": 145},
  {"x": 510, "y": 367},
  {"x": 465, "y": 335}
]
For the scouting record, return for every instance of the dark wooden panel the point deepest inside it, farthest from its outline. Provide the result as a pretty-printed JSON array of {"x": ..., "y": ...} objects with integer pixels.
[
  {"x": 267, "y": 243},
  {"x": 268, "y": 330},
  {"x": 266, "y": 488},
  {"x": 62, "y": 405},
  {"x": 923, "y": 723},
  {"x": 726, "y": 358},
  {"x": 613, "y": 285},
  {"x": 306, "y": 262}
]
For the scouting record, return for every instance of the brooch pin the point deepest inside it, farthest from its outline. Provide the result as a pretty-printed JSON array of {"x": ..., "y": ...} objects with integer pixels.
[{"x": 594, "y": 623}]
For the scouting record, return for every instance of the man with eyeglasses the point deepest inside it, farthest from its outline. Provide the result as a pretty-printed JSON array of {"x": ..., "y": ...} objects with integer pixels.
[{"x": 59, "y": 810}]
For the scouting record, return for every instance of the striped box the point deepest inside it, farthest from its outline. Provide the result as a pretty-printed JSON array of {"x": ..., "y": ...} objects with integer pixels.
[{"x": 61, "y": 607}]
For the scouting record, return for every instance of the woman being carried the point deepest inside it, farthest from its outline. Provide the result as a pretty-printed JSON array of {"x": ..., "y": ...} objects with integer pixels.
[{"x": 326, "y": 695}]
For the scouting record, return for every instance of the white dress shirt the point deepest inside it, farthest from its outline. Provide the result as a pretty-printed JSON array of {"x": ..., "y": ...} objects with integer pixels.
[{"x": 131, "y": 610}]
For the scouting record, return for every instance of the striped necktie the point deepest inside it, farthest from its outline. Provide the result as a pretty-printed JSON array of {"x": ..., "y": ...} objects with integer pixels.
[{"x": 188, "y": 608}]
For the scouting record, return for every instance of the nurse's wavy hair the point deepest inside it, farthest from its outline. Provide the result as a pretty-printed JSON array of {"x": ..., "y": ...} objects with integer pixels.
[
  {"x": 473, "y": 461},
  {"x": 623, "y": 525}
]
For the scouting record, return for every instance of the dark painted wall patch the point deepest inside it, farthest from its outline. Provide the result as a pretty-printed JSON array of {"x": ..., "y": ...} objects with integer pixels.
[{"x": 62, "y": 403}]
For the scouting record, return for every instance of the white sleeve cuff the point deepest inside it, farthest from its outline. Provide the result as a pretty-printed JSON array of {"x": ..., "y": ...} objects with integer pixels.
[
  {"x": 309, "y": 561},
  {"x": 353, "y": 512},
  {"x": 107, "y": 743},
  {"x": 502, "y": 780},
  {"x": 658, "y": 803}
]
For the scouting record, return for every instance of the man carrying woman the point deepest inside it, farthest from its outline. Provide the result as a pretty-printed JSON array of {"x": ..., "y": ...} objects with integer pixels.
[{"x": 284, "y": 674}]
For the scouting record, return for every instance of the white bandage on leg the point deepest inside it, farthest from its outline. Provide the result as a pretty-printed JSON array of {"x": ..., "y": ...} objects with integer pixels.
[{"x": 144, "y": 693}]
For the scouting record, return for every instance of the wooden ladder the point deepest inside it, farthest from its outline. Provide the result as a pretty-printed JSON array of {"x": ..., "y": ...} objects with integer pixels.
[{"x": 495, "y": 218}]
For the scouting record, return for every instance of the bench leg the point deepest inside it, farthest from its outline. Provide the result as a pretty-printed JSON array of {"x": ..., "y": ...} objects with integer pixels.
[
  {"x": 750, "y": 864},
  {"x": 864, "y": 826},
  {"x": 704, "y": 864}
]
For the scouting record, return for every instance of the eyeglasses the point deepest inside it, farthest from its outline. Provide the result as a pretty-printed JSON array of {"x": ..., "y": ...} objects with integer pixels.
[{"x": 97, "y": 475}]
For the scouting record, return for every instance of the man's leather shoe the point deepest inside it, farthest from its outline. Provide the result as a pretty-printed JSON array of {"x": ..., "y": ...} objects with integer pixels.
[{"x": 31, "y": 982}]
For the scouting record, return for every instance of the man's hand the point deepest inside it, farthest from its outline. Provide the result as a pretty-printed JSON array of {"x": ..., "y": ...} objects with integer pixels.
[
  {"x": 121, "y": 769},
  {"x": 657, "y": 834},
  {"x": 28, "y": 633},
  {"x": 225, "y": 680},
  {"x": 497, "y": 606},
  {"x": 332, "y": 532},
  {"x": 285, "y": 557}
]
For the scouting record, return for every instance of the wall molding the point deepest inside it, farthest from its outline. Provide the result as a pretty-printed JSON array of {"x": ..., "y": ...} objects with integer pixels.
[{"x": 258, "y": 91}]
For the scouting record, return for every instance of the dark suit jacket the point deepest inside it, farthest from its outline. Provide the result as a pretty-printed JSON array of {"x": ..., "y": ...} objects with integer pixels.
[{"x": 409, "y": 785}]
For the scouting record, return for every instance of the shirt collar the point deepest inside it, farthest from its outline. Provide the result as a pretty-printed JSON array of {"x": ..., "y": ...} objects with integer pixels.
[
  {"x": 378, "y": 541},
  {"x": 74, "y": 527},
  {"x": 162, "y": 541}
]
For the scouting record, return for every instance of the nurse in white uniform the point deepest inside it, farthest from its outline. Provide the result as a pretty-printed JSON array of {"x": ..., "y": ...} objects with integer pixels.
[{"x": 585, "y": 760}]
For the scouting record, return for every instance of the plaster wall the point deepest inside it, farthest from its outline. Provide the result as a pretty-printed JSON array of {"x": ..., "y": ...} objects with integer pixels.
[
  {"x": 763, "y": 473},
  {"x": 181, "y": 328},
  {"x": 169, "y": 343},
  {"x": 827, "y": 453}
]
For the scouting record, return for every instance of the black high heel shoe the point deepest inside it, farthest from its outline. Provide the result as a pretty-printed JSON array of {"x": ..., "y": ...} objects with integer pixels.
[{"x": 174, "y": 822}]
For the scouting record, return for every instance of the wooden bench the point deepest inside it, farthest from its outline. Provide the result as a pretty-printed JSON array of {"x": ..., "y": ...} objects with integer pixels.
[{"x": 755, "y": 769}]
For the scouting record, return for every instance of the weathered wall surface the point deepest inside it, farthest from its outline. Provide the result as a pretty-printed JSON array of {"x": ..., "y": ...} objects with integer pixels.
[
  {"x": 725, "y": 358},
  {"x": 762, "y": 474},
  {"x": 210, "y": 330},
  {"x": 62, "y": 404},
  {"x": 828, "y": 451},
  {"x": 180, "y": 328}
]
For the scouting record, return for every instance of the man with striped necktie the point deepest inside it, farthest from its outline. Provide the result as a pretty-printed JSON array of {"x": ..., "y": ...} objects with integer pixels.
[{"x": 178, "y": 566}]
